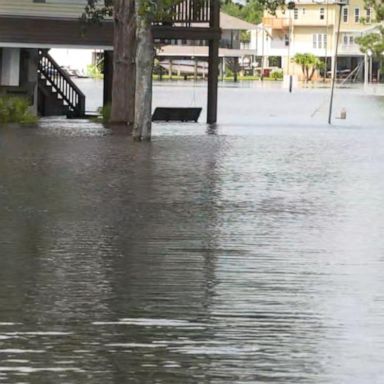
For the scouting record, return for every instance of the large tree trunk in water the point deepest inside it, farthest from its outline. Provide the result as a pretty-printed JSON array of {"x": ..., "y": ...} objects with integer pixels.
[
  {"x": 123, "y": 87},
  {"x": 144, "y": 67}
]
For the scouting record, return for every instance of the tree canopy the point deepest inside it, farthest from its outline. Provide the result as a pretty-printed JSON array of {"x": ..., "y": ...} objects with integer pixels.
[
  {"x": 309, "y": 63},
  {"x": 251, "y": 11},
  {"x": 373, "y": 43}
]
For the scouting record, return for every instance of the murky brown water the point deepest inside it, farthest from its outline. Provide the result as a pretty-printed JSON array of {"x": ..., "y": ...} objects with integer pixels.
[{"x": 233, "y": 255}]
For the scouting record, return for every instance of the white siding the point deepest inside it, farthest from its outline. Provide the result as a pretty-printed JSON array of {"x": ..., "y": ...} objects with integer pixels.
[{"x": 52, "y": 8}]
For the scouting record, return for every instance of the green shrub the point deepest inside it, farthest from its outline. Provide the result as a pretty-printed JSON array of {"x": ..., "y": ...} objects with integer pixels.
[
  {"x": 16, "y": 110},
  {"x": 277, "y": 74},
  {"x": 104, "y": 114},
  {"x": 94, "y": 71}
]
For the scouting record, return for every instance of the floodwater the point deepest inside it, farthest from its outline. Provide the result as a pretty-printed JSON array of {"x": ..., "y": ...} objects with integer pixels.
[{"x": 249, "y": 252}]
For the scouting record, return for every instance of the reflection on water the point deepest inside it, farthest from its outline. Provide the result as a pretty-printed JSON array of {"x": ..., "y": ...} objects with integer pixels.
[{"x": 235, "y": 257}]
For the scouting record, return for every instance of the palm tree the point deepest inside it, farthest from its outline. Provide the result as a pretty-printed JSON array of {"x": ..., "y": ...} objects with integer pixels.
[{"x": 309, "y": 64}]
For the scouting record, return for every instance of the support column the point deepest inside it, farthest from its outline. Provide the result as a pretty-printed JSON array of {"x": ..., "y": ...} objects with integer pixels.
[
  {"x": 221, "y": 69},
  {"x": 213, "y": 77},
  {"x": 366, "y": 78},
  {"x": 235, "y": 68},
  {"x": 108, "y": 77},
  {"x": 196, "y": 63},
  {"x": 10, "y": 67},
  {"x": 170, "y": 70}
]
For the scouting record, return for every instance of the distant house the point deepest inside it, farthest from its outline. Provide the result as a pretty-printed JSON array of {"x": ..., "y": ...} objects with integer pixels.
[
  {"x": 188, "y": 56},
  {"x": 311, "y": 27}
]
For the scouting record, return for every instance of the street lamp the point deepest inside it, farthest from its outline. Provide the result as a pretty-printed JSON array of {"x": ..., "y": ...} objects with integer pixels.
[{"x": 341, "y": 4}]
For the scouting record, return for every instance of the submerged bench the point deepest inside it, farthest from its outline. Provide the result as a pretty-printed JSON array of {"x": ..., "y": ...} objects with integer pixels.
[{"x": 176, "y": 114}]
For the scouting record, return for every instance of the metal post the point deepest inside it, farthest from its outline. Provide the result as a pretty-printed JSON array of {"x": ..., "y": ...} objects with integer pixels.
[{"x": 334, "y": 67}]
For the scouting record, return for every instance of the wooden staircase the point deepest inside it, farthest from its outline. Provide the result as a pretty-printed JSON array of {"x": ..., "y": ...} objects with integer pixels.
[{"x": 58, "y": 94}]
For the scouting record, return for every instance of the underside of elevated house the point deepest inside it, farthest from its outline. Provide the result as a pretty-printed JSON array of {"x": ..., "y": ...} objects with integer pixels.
[{"x": 28, "y": 29}]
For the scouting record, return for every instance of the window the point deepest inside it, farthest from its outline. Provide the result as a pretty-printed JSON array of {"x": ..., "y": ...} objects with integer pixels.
[
  {"x": 348, "y": 40},
  {"x": 357, "y": 15},
  {"x": 322, "y": 13},
  {"x": 345, "y": 15},
  {"x": 368, "y": 15},
  {"x": 319, "y": 40},
  {"x": 303, "y": 11},
  {"x": 295, "y": 13}
]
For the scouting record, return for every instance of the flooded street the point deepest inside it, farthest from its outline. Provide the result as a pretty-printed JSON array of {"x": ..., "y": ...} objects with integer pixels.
[{"x": 249, "y": 252}]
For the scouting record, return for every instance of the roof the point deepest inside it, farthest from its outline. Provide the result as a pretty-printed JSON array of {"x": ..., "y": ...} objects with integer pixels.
[{"x": 231, "y": 22}]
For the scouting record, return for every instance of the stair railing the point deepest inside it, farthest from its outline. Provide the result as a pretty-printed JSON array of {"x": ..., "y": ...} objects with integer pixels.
[{"x": 60, "y": 81}]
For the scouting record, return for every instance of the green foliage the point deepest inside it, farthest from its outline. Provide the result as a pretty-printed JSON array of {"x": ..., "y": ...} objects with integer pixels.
[
  {"x": 309, "y": 63},
  {"x": 245, "y": 36},
  {"x": 15, "y": 110},
  {"x": 378, "y": 7},
  {"x": 94, "y": 71},
  {"x": 251, "y": 11},
  {"x": 105, "y": 113},
  {"x": 372, "y": 42},
  {"x": 277, "y": 74}
]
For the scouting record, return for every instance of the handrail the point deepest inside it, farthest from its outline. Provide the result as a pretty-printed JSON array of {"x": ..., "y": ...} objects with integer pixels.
[
  {"x": 189, "y": 11},
  {"x": 62, "y": 83}
]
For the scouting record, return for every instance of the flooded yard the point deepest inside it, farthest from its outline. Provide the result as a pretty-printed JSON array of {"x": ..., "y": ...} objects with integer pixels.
[{"x": 248, "y": 252}]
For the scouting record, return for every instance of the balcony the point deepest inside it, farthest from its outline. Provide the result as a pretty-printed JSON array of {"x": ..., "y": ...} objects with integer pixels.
[{"x": 276, "y": 22}]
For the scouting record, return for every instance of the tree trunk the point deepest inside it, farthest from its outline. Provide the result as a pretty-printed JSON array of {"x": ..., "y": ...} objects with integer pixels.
[
  {"x": 144, "y": 69},
  {"x": 312, "y": 73},
  {"x": 123, "y": 87},
  {"x": 306, "y": 73}
]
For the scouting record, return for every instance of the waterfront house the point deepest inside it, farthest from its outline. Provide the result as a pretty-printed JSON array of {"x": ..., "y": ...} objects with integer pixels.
[
  {"x": 29, "y": 28},
  {"x": 311, "y": 27}
]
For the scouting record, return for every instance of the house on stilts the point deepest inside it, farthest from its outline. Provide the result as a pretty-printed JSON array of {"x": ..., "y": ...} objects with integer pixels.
[{"x": 29, "y": 28}]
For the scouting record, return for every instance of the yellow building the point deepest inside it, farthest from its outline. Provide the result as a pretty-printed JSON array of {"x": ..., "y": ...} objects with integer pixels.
[{"x": 311, "y": 27}]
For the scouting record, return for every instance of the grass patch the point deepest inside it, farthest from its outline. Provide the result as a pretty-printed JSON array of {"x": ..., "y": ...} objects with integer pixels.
[{"x": 16, "y": 110}]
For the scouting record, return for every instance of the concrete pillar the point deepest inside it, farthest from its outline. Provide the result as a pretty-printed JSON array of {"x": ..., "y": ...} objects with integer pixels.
[
  {"x": 366, "y": 70},
  {"x": 196, "y": 63},
  {"x": 10, "y": 67},
  {"x": 32, "y": 78},
  {"x": 221, "y": 69},
  {"x": 333, "y": 65}
]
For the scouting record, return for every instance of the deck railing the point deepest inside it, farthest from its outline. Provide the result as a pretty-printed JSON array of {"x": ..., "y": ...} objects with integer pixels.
[{"x": 187, "y": 12}]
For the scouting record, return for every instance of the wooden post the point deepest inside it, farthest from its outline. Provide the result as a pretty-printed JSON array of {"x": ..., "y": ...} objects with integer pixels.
[
  {"x": 213, "y": 64},
  {"x": 108, "y": 76}
]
